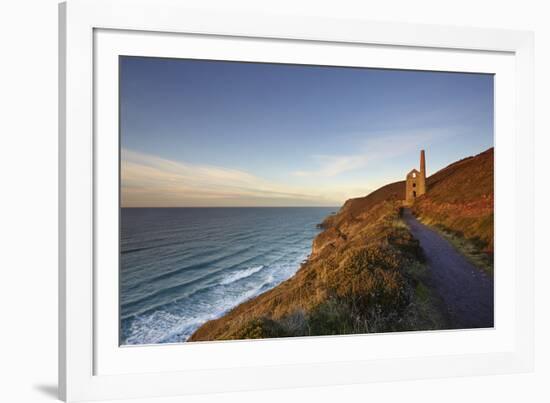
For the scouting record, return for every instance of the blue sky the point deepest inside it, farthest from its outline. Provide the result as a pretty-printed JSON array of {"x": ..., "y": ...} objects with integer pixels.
[{"x": 214, "y": 133}]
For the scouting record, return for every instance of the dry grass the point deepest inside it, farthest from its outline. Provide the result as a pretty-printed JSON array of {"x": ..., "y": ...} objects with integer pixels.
[
  {"x": 366, "y": 271},
  {"x": 357, "y": 281},
  {"x": 460, "y": 205},
  {"x": 472, "y": 249}
]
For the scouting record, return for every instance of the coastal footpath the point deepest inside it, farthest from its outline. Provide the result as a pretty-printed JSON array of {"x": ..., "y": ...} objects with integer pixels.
[{"x": 367, "y": 273}]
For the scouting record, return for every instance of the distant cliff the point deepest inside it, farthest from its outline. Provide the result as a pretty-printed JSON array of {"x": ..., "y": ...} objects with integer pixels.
[{"x": 366, "y": 273}]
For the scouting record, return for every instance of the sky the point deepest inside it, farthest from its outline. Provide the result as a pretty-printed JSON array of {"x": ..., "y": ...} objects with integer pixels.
[{"x": 200, "y": 133}]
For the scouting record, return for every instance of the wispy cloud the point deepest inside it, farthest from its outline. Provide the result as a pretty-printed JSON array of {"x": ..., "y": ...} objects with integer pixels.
[
  {"x": 380, "y": 147},
  {"x": 332, "y": 165},
  {"x": 149, "y": 180},
  {"x": 152, "y": 181}
]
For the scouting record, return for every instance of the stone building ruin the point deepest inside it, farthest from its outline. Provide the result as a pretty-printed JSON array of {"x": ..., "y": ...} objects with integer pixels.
[{"x": 416, "y": 181}]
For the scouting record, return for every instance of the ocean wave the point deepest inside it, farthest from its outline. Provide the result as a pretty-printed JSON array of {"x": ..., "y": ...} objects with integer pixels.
[
  {"x": 178, "y": 287},
  {"x": 171, "y": 326},
  {"x": 168, "y": 293},
  {"x": 236, "y": 276},
  {"x": 187, "y": 268},
  {"x": 275, "y": 273}
]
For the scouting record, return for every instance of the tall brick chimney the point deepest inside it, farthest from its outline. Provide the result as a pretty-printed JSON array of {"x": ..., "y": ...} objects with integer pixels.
[{"x": 423, "y": 164}]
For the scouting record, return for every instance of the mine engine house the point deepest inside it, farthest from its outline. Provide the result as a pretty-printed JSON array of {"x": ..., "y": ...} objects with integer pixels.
[{"x": 416, "y": 181}]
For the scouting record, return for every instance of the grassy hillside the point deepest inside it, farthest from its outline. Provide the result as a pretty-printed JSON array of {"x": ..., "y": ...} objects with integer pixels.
[
  {"x": 364, "y": 275},
  {"x": 459, "y": 202},
  {"x": 366, "y": 271}
]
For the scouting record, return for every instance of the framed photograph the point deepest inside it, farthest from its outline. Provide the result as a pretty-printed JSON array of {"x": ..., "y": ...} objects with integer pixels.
[{"x": 256, "y": 201}]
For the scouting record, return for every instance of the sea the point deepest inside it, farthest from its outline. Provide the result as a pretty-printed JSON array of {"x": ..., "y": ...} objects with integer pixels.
[{"x": 180, "y": 267}]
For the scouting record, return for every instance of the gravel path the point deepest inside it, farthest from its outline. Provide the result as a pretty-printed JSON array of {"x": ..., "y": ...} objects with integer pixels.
[{"x": 467, "y": 292}]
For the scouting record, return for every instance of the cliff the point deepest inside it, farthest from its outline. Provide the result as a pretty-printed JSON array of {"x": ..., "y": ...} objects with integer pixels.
[{"x": 365, "y": 273}]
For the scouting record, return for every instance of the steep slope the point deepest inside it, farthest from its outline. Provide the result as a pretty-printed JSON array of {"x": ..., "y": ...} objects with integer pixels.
[
  {"x": 352, "y": 283},
  {"x": 352, "y": 208},
  {"x": 460, "y": 199},
  {"x": 366, "y": 273}
]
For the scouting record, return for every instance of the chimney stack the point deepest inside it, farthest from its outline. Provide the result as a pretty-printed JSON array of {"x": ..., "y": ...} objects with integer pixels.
[{"x": 422, "y": 164}]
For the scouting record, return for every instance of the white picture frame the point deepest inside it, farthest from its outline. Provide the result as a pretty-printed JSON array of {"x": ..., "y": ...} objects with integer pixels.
[{"x": 91, "y": 364}]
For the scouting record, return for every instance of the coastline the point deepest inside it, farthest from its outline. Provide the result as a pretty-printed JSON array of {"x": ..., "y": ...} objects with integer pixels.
[
  {"x": 366, "y": 272},
  {"x": 287, "y": 309},
  {"x": 182, "y": 267}
]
